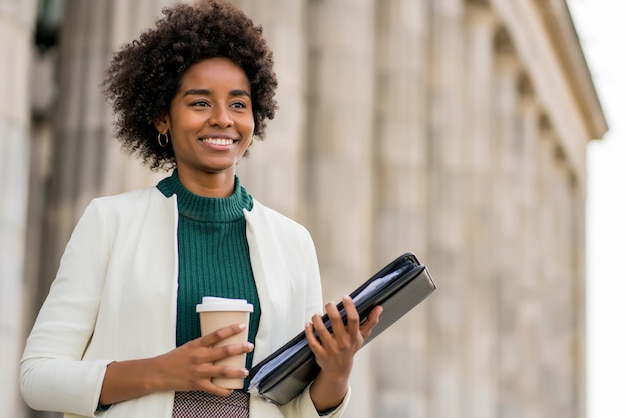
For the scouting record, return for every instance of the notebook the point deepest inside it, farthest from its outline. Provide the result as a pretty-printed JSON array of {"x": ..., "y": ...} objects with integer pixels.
[{"x": 398, "y": 287}]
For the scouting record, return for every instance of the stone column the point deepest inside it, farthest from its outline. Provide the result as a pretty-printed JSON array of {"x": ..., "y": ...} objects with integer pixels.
[
  {"x": 480, "y": 328},
  {"x": 446, "y": 207},
  {"x": 127, "y": 20},
  {"x": 506, "y": 223},
  {"x": 579, "y": 320},
  {"x": 87, "y": 161},
  {"x": 530, "y": 287},
  {"x": 563, "y": 304},
  {"x": 549, "y": 357},
  {"x": 338, "y": 176},
  {"x": 401, "y": 190},
  {"x": 273, "y": 172},
  {"x": 16, "y": 33}
]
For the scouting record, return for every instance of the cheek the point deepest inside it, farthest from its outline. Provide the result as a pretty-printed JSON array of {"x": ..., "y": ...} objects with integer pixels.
[
  {"x": 246, "y": 125},
  {"x": 179, "y": 144},
  {"x": 252, "y": 125}
]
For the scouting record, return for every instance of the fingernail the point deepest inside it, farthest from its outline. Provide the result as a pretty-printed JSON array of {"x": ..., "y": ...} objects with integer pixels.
[
  {"x": 250, "y": 346},
  {"x": 245, "y": 372},
  {"x": 242, "y": 325}
]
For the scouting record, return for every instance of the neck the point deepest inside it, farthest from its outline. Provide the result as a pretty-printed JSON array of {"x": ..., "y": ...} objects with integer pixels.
[{"x": 218, "y": 185}]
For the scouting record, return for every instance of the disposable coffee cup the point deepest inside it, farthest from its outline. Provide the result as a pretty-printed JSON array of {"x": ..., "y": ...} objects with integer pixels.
[{"x": 216, "y": 313}]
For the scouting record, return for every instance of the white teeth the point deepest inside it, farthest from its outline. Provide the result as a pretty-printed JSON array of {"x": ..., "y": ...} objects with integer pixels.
[{"x": 218, "y": 141}]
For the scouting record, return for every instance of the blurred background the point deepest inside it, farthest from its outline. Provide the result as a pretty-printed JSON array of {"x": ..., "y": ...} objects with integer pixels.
[
  {"x": 471, "y": 132},
  {"x": 602, "y": 32}
]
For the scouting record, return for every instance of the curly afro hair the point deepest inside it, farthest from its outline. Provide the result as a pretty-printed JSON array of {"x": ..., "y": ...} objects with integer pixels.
[{"x": 145, "y": 75}]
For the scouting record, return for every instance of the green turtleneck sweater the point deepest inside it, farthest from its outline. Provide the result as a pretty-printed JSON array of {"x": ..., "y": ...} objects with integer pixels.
[{"x": 213, "y": 255}]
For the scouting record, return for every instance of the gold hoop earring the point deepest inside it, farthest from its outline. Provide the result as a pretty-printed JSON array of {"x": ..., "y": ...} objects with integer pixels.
[{"x": 160, "y": 141}]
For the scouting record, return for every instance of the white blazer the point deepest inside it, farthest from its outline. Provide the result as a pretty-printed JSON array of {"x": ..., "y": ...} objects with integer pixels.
[{"x": 114, "y": 298}]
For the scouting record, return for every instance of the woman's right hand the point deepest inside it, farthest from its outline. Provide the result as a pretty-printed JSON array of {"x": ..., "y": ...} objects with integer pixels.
[
  {"x": 188, "y": 367},
  {"x": 192, "y": 365}
]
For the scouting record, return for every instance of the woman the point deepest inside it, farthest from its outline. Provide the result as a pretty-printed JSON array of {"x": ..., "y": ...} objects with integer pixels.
[{"x": 118, "y": 335}]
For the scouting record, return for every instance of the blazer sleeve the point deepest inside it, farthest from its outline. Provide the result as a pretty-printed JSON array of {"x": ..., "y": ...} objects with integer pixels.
[
  {"x": 302, "y": 406},
  {"x": 52, "y": 375}
]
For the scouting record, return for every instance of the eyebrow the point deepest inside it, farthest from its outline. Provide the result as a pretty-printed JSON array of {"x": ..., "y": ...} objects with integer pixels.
[{"x": 206, "y": 92}]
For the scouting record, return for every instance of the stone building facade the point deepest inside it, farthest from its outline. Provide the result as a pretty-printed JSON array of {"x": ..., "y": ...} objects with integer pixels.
[{"x": 455, "y": 129}]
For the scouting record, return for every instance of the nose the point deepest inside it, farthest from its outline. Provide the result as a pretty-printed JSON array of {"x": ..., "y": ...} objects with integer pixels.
[{"x": 220, "y": 116}]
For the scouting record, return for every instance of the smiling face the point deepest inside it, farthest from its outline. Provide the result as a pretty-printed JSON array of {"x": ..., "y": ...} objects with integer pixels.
[{"x": 210, "y": 124}]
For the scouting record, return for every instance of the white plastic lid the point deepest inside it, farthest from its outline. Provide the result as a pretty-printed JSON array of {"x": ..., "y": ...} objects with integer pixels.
[{"x": 211, "y": 304}]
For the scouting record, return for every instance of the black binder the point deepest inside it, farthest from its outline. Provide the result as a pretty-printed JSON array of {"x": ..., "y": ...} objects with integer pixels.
[{"x": 398, "y": 287}]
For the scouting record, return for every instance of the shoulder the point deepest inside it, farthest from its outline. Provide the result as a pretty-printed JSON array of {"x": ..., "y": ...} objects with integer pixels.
[
  {"x": 266, "y": 215},
  {"x": 142, "y": 212},
  {"x": 132, "y": 197},
  {"x": 269, "y": 225},
  {"x": 128, "y": 200},
  {"x": 133, "y": 206}
]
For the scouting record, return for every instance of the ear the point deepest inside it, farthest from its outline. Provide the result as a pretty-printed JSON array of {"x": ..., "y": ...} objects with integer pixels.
[{"x": 162, "y": 123}]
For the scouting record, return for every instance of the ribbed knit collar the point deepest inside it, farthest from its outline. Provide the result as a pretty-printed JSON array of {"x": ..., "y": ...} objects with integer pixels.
[{"x": 207, "y": 209}]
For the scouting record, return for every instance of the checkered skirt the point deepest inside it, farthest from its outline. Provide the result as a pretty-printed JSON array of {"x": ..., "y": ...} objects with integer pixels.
[{"x": 199, "y": 404}]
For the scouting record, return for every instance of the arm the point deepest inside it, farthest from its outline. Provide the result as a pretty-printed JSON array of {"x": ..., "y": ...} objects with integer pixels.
[
  {"x": 54, "y": 374},
  {"x": 188, "y": 367},
  {"x": 330, "y": 391},
  {"x": 276, "y": 242},
  {"x": 335, "y": 352}
]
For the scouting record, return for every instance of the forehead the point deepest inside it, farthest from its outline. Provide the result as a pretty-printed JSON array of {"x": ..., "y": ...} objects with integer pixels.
[{"x": 214, "y": 73}]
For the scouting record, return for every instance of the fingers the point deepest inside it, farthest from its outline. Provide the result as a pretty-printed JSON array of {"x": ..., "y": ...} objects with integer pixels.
[
  {"x": 314, "y": 343},
  {"x": 224, "y": 351},
  {"x": 218, "y": 390},
  {"x": 352, "y": 315},
  {"x": 348, "y": 334},
  {"x": 218, "y": 346},
  {"x": 372, "y": 319},
  {"x": 218, "y": 371},
  {"x": 336, "y": 323},
  {"x": 351, "y": 327},
  {"x": 229, "y": 372},
  {"x": 222, "y": 334},
  {"x": 215, "y": 362},
  {"x": 321, "y": 341},
  {"x": 343, "y": 335}
]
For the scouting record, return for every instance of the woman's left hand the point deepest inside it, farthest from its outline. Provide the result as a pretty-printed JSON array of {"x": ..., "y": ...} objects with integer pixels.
[{"x": 334, "y": 352}]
